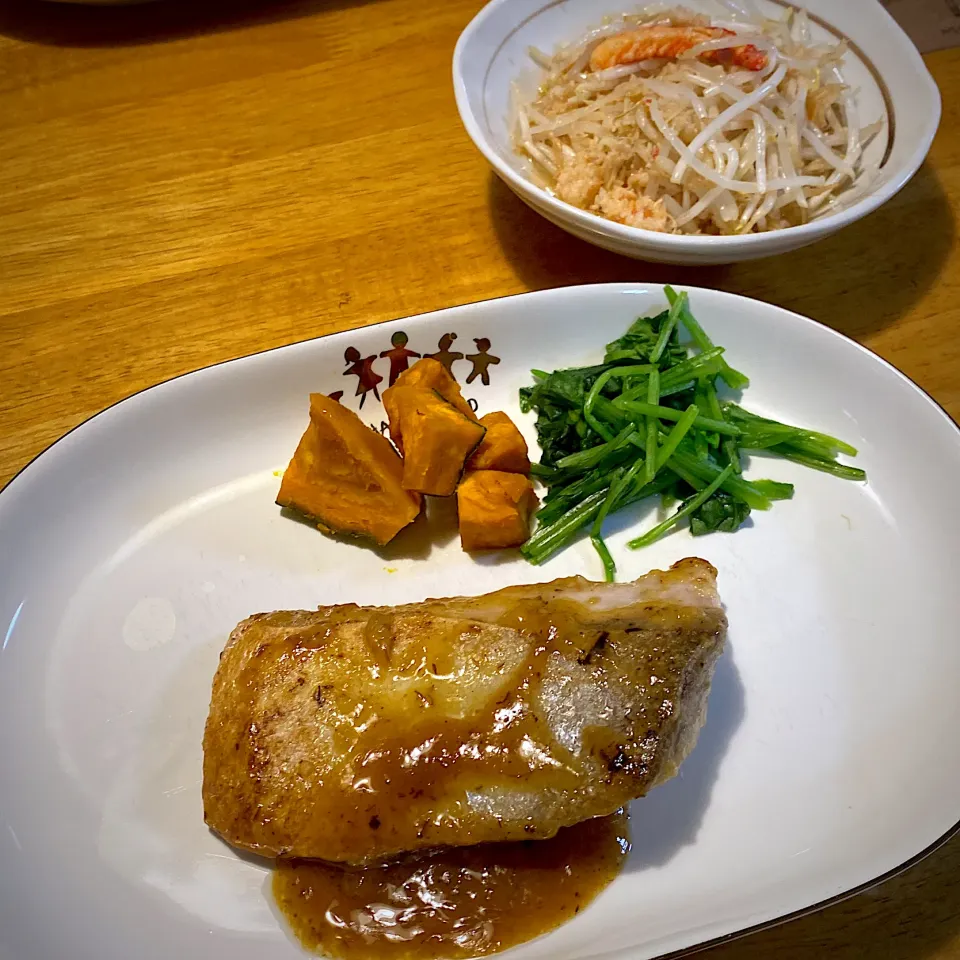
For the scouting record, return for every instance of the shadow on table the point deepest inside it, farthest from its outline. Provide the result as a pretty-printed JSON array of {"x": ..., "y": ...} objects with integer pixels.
[
  {"x": 82, "y": 25},
  {"x": 542, "y": 255},
  {"x": 668, "y": 818},
  {"x": 858, "y": 281},
  {"x": 870, "y": 274}
]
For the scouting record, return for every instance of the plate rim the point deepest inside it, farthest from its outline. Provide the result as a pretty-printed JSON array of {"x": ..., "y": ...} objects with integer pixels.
[
  {"x": 623, "y": 286},
  {"x": 814, "y": 907},
  {"x": 17, "y": 481}
]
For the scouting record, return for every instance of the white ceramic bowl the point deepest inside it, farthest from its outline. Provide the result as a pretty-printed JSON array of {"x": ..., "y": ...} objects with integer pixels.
[{"x": 882, "y": 64}]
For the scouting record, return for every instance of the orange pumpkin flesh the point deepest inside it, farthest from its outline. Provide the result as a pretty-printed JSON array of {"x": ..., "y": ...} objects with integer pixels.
[
  {"x": 428, "y": 374},
  {"x": 346, "y": 477},
  {"x": 437, "y": 440},
  {"x": 503, "y": 447},
  {"x": 495, "y": 509}
]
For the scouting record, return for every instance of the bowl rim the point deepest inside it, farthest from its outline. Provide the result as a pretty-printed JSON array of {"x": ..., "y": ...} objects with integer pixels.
[{"x": 594, "y": 223}]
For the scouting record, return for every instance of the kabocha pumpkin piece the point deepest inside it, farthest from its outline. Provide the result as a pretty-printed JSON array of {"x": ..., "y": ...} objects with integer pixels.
[
  {"x": 495, "y": 509},
  {"x": 437, "y": 440},
  {"x": 502, "y": 448},
  {"x": 428, "y": 374},
  {"x": 346, "y": 477}
]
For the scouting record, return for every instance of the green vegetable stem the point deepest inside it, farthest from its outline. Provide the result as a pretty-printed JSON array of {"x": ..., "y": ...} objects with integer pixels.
[{"x": 650, "y": 421}]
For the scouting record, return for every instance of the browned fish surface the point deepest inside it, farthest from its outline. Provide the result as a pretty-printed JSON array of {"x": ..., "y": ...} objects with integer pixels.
[{"x": 355, "y": 733}]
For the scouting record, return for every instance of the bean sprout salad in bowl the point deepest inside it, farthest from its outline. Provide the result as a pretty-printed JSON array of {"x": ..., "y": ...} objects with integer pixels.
[
  {"x": 671, "y": 121},
  {"x": 710, "y": 132}
]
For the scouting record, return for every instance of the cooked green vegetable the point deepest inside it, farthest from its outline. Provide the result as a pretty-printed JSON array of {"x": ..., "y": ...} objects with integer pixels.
[
  {"x": 653, "y": 414},
  {"x": 721, "y": 512},
  {"x": 649, "y": 420},
  {"x": 694, "y": 503},
  {"x": 734, "y": 379}
]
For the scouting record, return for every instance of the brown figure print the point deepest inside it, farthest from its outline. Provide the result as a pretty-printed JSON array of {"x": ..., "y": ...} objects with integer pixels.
[
  {"x": 336, "y": 395},
  {"x": 481, "y": 361},
  {"x": 362, "y": 369},
  {"x": 444, "y": 354},
  {"x": 398, "y": 355}
]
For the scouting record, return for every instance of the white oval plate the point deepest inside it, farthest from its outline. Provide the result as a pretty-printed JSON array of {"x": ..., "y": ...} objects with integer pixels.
[{"x": 131, "y": 548}]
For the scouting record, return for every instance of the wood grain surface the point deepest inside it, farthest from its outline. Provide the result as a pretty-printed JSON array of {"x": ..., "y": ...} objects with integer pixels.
[{"x": 183, "y": 183}]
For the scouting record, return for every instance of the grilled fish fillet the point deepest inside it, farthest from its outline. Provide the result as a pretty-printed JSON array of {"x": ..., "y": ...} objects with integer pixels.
[{"x": 353, "y": 734}]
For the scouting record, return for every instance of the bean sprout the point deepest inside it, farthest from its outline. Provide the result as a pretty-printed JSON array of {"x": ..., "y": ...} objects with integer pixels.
[{"x": 668, "y": 120}]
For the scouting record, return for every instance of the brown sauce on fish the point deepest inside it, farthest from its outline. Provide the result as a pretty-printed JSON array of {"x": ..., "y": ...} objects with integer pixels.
[
  {"x": 456, "y": 903},
  {"x": 333, "y": 737},
  {"x": 406, "y": 754}
]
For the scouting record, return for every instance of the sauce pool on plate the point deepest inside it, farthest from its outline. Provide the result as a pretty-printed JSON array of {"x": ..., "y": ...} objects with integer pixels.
[{"x": 455, "y": 903}]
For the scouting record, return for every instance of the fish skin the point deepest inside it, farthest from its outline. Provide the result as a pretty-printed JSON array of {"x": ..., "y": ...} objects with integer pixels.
[{"x": 355, "y": 734}]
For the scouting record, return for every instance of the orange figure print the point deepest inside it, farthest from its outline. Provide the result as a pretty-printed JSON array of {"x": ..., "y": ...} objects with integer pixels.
[
  {"x": 444, "y": 354},
  {"x": 362, "y": 369},
  {"x": 481, "y": 361},
  {"x": 398, "y": 355}
]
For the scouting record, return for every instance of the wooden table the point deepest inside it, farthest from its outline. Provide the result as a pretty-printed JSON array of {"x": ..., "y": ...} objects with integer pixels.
[{"x": 185, "y": 183}]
